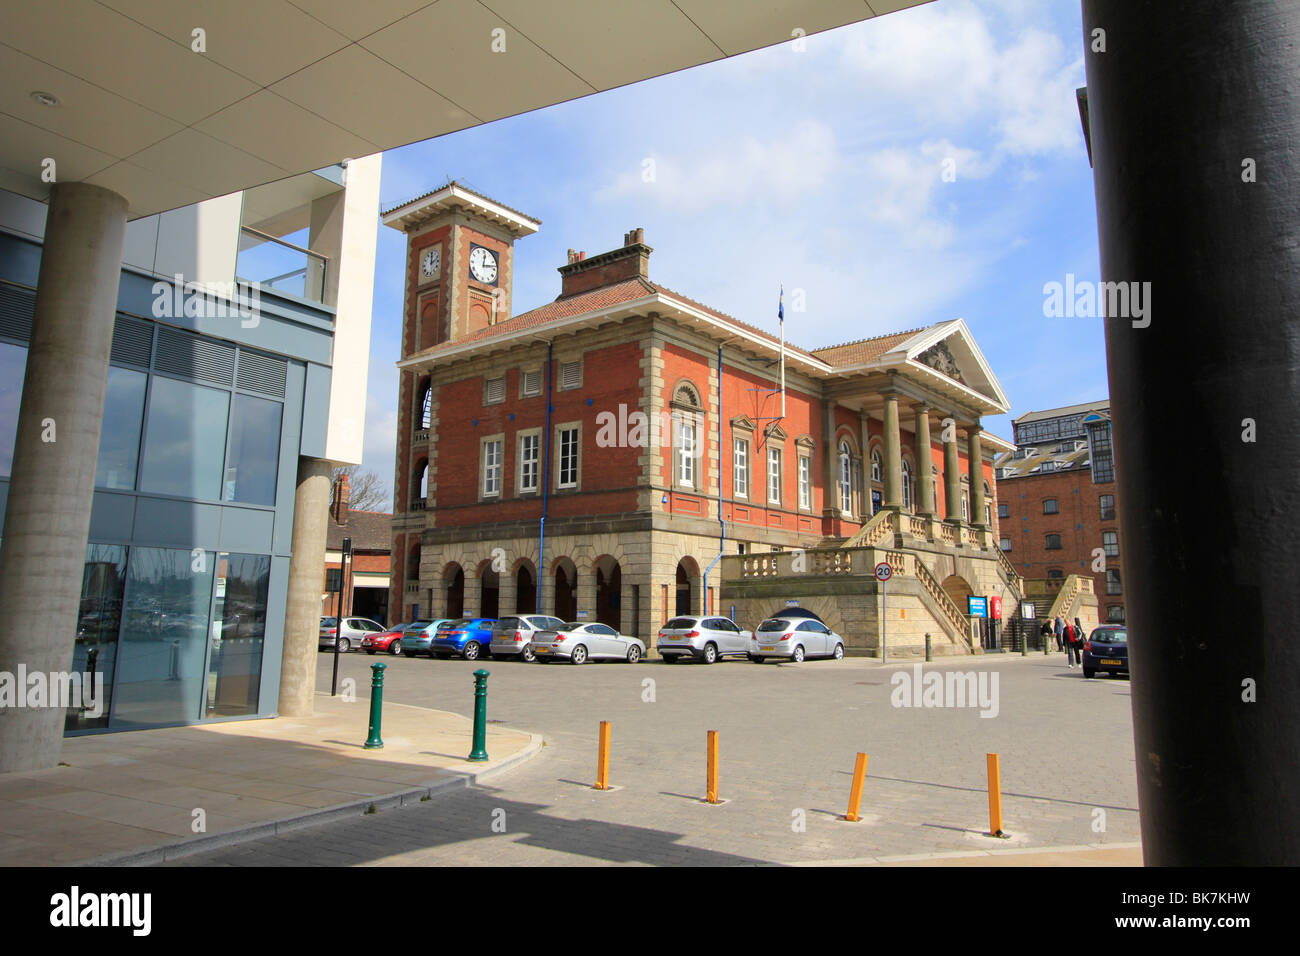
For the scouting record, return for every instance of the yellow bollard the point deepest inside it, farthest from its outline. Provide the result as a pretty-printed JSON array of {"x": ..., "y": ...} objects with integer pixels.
[
  {"x": 712, "y": 783},
  {"x": 602, "y": 757},
  {"x": 995, "y": 797},
  {"x": 855, "y": 795}
]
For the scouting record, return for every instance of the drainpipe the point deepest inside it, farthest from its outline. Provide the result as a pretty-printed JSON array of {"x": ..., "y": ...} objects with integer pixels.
[
  {"x": 546, "y": 485},
  {"x": 722, "y": 525}
]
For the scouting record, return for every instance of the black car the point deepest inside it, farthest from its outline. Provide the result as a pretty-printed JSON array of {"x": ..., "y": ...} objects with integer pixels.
[{"x": 1106, "y": 649}]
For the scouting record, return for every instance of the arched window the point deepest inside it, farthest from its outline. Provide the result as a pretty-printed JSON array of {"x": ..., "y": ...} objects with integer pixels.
[
  {"x": 875, "y": 465},
  {"x": 846, "y": 478},
  {"x": 965, "y": 506},
  {"x": 988, "y": 505},
  {"x": 426, "y": 406},
  {"x": 687, "y": 419},
  {"x": 907, "y": 483}
]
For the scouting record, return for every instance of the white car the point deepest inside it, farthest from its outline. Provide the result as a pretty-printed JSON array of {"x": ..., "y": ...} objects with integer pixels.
[
  {"x": 354, "y": 629},
  {"x": 581, "y": 641},
  {"x": 794, "y": 638},
  {"x": 702, "y": 638}
]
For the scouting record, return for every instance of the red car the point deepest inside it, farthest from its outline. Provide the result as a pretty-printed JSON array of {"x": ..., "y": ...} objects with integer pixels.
[{"x": 390, "y": 640}]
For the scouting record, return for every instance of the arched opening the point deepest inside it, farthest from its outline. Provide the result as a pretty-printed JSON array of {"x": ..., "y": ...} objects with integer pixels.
[
  {"x": 958, "y": 590},
  {"x": 490, "y": 591},
  {"x": 525, "y": 591},
  {"x": 687, "y": 586},
  {"x": 413, "y": 564},
  {"x": 609, "y": 590},
  {"x": 426, "y": 404},
  {"x": 453, "y": 581},
  {"x": 566, "y": 590},
  {"x": 420, "y": 484},
  {"x": 909, "y": 497}
]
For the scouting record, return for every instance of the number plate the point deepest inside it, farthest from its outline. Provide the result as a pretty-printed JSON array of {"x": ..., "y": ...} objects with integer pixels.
[
  {"x": 767, "y": 648},
  {"x": 540, "y": 649},
  {"x": 674, "y": 637},
  {"x": 1106, "y": 660}
]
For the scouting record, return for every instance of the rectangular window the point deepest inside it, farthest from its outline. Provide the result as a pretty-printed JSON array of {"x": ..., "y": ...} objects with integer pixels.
[
  {"x": 1110, "y": 543},
  {"x": 95, "y": 652},
  {"x": 119, "y": 439},
  {"x": 568, "y": 470},
  {"x": 1050, "y": 507},
  {"x": 1004, "y": 511},
  {"x": 1005, "y": 544},
  {"x": 1053, "y": 542},
  {"x": 686, "y": 454},
  {"x": 494, "y": 391},
  {"x": 529, "y": 462},
  {"x": 238, "y": 632},
  {"x": 1113, "y": 582},
  {"x": 251, "y": 468},
  {"x": 1107, "y": 507},
  {"x": 492, "y": 468},
  {"x": 570, "y": 375},
  {"x": 13, "y": 367},
  {"x": 531, "y": 383},
  {"x": 185, "y": 440},
  {"x": 805, "y": 482},
  {"x": 740, "y": 467},
  {"x": 774, "y": 475}
]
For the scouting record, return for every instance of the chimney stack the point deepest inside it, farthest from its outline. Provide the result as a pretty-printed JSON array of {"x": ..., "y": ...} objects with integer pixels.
[
  {"x": 629, "y": 261},
  {"x": 342, "y": 495}
]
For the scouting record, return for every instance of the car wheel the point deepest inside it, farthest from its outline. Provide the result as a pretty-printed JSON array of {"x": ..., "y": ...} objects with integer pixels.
[
  {"x": 670, "y": 658},
  {"x": 797, "y": 656},
  {"x": 395, "y": 648},
  {"x": 839, "y": 652},
  {"x": 344, "y": 645},
  {"x": 710, "y": 654},
  {"x": 579, "y": 655},
  {"x": 471, "y": 651},
  {"x": 633, "y": 654},
  {"x": 528, "y": 655},
  {"x": 1088, "y": 672}
]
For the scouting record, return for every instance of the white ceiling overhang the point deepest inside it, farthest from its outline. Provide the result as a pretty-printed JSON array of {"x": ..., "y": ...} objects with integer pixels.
[{"x": 282, "y": 87}]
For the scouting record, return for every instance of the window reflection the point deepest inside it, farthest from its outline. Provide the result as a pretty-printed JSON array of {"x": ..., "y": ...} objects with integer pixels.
[
  {"x": 185, "y": 444},
  {"x": 119, "y": 440},
  {"x": 238, "y": 630},
  {"x": 254, "y": 451},
  {"x": 95, "y": 650},
  {"x": 13, "y": 367}
]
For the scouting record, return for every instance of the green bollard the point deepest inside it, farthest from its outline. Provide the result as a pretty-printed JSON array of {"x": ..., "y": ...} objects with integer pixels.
[
  {"x": 480, "y": 716},
  {"x": 373, "y": 742},
  {"x": 1024, "y": 641}
]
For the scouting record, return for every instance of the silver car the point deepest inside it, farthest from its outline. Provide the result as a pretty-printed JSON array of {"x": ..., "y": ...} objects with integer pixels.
[
  {"x": 513, "y": 636},
  {"x": 348, "y": 635},
  {"x": 794, "y": 638},
  {"x": 702, "y": 638},
  {"x": 581, "y": 641}
]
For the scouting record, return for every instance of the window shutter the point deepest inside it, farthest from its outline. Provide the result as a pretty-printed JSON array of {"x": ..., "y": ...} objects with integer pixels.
[
  {"x": 570, "y": 374},
  {"x": 496, "y": 389},
  {"x": 533, "y": 382}
]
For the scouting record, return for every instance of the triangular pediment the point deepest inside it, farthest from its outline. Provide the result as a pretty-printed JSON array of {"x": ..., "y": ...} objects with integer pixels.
[{"x": 950, "y": 350}]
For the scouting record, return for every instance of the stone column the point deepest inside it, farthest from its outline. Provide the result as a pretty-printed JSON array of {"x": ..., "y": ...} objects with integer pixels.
[
  {"x": 951, "y": 474},
  {"x": 51, "y": 487},
  {"x": 1215, "y": 87},
  {"x": 832, "y": 502},
  {"x": 507, "y": 593},
  {"x": 924, "y": 489},
  {"x": 311, "y": 504},
  {"x": 975, "y": 469},
  {"x": 586, "y": 595},
  {"x": 893, "y": 455}
]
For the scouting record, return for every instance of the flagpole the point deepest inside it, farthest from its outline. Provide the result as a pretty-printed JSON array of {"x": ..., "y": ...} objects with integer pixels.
[{"x": 780, "y": 311}]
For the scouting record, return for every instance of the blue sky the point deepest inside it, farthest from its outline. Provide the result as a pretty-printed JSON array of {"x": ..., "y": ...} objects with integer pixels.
[{"x": 819, "y": 169}]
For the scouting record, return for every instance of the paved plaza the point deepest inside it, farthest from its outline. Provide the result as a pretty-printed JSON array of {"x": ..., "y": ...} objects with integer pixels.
[{"x": 788, "y": 738}]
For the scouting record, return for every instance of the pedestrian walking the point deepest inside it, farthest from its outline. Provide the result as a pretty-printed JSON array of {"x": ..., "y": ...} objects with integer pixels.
[
  {"x": 1074, "y": 646},
  {"x": 1058, "y": 628}
]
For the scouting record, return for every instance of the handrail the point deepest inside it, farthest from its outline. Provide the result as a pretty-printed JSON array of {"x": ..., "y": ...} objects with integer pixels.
[
  {"x": 949, "y": 609},
  {"x": 871, "y": 532}
]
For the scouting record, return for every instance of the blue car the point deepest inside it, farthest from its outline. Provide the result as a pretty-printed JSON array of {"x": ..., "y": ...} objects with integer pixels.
[
  {"x": 417, "y": 637},
  {"x": 468, "y": 637},
  {"x": 1106, "y": 649}
]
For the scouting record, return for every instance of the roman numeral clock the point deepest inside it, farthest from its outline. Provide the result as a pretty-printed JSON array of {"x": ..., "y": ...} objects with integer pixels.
[{"x": 483, "y": 265}]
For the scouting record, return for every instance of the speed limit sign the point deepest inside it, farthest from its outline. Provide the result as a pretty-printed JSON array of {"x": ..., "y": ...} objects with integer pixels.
[{"x": 883, "y": 571}]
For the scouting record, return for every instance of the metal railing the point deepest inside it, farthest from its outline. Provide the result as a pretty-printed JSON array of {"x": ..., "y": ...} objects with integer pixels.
[{"x": 280, "y": 266}]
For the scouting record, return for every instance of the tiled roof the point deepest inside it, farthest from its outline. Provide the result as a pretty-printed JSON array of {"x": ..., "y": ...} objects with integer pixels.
[
  {"x": 369, "y": 531},
  {"x": 863, "y": 350},
  {"x": 1101, "y": 405},
  {"x": 452, "y": 182},
  {"x": 1044, "y": 452}
]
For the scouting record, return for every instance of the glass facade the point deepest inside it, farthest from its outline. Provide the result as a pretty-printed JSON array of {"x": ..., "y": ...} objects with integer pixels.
[
  {"x": 254, "y": 450},
  {"x": 238, "y": 634},
  {"x": 99, "y": 619},
  {"x": 181, "y": 456},
  {"x": 13, "y": 368},
  {"x": 119, "y": 439}
]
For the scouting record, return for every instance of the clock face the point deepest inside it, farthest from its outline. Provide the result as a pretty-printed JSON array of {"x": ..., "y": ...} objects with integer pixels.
[
  {"x": 483, "y": 264},
  {"x": 431, "y": 263}
]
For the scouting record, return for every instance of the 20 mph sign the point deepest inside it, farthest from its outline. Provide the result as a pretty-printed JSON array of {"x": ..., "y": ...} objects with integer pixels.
[{"x": 883, "y": 571}]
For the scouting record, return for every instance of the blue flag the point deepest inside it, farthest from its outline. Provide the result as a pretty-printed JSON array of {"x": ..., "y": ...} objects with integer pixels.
[{"x": 780, "y": 304}]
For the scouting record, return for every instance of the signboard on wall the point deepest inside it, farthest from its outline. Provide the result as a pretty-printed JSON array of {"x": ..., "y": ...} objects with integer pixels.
[{"x": 977, "y": 606}]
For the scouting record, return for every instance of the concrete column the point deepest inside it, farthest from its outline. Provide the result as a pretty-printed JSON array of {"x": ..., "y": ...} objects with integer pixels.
[
  {"x": 586, "y": 595},
  {"x": 1217, "y": 736},
  {"x": 951, "y": 475},
  {"x": 975, "y": 469},
  {"x": 832, "y": 502},
  {"x": 893, "y": 455},
  {"x": 924, "y": 488},
  {"x": 51, "y": 488},
  {"x": 311, "y": 505}
]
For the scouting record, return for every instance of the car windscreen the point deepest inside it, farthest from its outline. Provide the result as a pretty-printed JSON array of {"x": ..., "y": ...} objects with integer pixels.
[
  {"x": 1102, "y": 636},
  {"x": 451, "y": 625},
  {"x": 417, "y": 625},
  {"x": 509, "y": 623},
  {"x": 680, "y": 624},
  {"x": 573, "y": 625},
  {"x": 329, "y": 622},
  {"x": 775, "y": 624}
]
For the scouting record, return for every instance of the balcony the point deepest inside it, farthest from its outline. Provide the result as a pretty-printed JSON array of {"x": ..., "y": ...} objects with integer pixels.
[
  {"x": 280, "y": 266},
  {"x": 419, "y": 504},
  {"x": 421, "y": 436},
  {"x": 412, "y": 588}
]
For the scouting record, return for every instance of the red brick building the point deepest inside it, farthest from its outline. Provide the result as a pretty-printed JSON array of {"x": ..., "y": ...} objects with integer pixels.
[
  {"x": 365, "y": 588},
  {"x": 598, "y": 455},
  {"x": 1057, "y": 501}
]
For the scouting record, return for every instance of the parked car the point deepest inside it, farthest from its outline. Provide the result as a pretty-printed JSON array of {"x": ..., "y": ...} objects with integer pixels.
[
  {"x": 513, "y": 636},
  {"x": 467, "y": 637},
  {"x": 417, "y": 637},
  {"x": 390, "y": 641},
  {"x": 794, "y": 638},
  {"x": 702, "y": 638},
  {"x": 1106, "y": 649},
  {"x": 581, "y": 641},
  {"x": 349, "y": 634}
]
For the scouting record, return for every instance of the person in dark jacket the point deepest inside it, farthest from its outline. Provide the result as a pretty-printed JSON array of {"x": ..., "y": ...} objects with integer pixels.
[
  {"x": 1073, "y": 646},
  {"x": 1059, "y": 629}
]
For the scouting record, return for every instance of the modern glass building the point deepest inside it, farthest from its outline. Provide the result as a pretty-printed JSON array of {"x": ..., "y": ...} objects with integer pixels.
[{"x": 219, "y": 384}]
